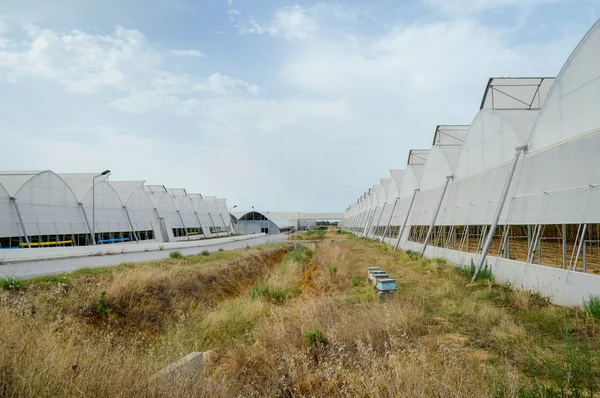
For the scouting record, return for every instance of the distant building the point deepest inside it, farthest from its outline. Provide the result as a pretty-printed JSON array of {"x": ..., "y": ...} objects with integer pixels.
[{"x": 272, "y": 222}]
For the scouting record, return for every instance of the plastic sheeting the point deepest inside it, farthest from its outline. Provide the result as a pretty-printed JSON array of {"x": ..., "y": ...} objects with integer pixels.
[
  {"x": 138, "y": 204},
  {"x": 47, "y": 204},
  {"x": 572, "y": 107},
  {"x": 224, "y": 212},
  {"x": 9, "y": 223},
  {"x": 110, "y": 214},
  {"x": 166, "y": 208}
]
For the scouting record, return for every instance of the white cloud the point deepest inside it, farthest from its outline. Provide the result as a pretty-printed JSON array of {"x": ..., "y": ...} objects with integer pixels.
[
  {"x": 170, "y": 92},
  {"x": 475, "y": 6},
  {"x": 237, "y": 117},
  {"x": 429, "y": 62},
  {"x": 288, "y": 22},
  {"x": 340, "y": 11},
  {"x": 81, "y": 62},
  {"x": 145, "y": 102},
  {"x": 187, "y": 53},
  {"x": 222, "y": 84},
  {"x": 348, "y": 95}
]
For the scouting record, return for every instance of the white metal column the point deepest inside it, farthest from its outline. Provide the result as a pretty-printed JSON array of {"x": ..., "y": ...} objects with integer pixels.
[
  {"x": 412, "y": 201},
  {"x": 21, "y": 223},
  {"x": 499, "y": 209},
  {"x": 387, "y": 227},
  {"x": 435, "y": 214}
]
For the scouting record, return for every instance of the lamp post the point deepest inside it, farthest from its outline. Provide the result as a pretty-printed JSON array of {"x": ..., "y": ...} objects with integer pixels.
[
  {"x": 105, "y": 172},
  {"x": 230, "y": 219}
]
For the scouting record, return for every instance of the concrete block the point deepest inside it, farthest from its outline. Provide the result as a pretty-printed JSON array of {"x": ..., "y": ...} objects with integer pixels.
[{"x": 189, "y": 366}]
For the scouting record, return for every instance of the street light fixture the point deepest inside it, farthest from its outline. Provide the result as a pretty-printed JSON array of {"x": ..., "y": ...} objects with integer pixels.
[{"x": 105, "y": 172}]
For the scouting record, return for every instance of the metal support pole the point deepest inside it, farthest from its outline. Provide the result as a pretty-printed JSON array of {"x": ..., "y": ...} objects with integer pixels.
[
  {"x": 87, "y": 223},
  {"x": 356, "y": 222},
  {"x": 131, "y": 224},
  {"x": 200, "y": 224},
  {"x": 225, "y": 225},
  {"x": 232, "y": 224},
  {"x": 104, "y": 173},
  {"x": 94, "y": 210},
  {"x": 365, "y": 223},
  {"x": 412, "y": 201},
  {"x": 584, "y": 256},
  {"x": 453, "y": 237},
  {"x": 370, "y": 215},
  {"x": 359, "y": 218},
  {"x": 213, "y": 221},
  {"x": 579, "y": 247},
  {"x": 539, "y": 247},
  {"x": 360, "y": 222},
  {"x": 564, "y": 245},
  {"x": 379, "y": 220},
  {"x": 371, "y": 222},
  {"x": 21, "y": 223},
  {"x": 183, "y": 224},
  {"x": 490, "y": 236},
  {"x": 387, "y": 227},
  {"x": 437, "y": 210}
]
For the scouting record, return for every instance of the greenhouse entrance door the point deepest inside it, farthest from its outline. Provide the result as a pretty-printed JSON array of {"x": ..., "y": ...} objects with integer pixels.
[{"x": 163, "y": 229}]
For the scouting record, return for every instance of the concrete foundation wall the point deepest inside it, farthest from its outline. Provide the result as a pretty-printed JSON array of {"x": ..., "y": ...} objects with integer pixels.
[
  {"x": 561, "y": 286},
  {"x": 33, "y": 254}
]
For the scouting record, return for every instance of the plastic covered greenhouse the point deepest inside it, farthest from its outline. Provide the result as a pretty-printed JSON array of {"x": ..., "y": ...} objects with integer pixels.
[
  {"x": 516, "y": 190},
  {"x": 45, "y": 209}
]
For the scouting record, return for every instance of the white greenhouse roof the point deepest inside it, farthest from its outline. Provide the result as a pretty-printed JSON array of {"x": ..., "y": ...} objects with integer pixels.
[
  {"x": 516, "y": 92},
  {"x": 13, "y": 180},
  {"x": 126, "y": 188},
  {"x": 81, "y": 183},
  {"x": 572, "y": 107},
  {"x": 417, "y": 157},
  {"x": 380, "y": 197},
  {"x": 492, "y": 139},
  {"x": 396, "y": 185},
  {"x": 277, "y": 219},
  {"x": 450, "y": 135},
  {"x": 155, "y": 189},
  {"x": 440, "y": 164},
  {"x": 177, "y": 192}
]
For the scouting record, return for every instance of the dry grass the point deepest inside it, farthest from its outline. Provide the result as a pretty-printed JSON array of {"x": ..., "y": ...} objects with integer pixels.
[
  {"x": 56, "y": 342},
  {"x": 436, "y": 337}
]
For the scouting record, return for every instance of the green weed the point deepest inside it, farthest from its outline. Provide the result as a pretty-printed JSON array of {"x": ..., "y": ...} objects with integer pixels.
[
  {"x": 205, "y": 253},
  {"x": 175, "y": 254},
  {"x": 300, "y": 255},
  {"x": 485, "y": 274},
  {"x": 101, "y": 307},
  {"x": 413, "y": 255},
  {"x": 275, "y": 295},
  {"x": 316, "y": 338},
  {"x": 11, "y": 283},
  {"x": 592, "y": 307}
]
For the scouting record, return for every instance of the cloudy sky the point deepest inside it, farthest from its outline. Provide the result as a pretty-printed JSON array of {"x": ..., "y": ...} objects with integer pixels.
[{"x": 281, "y": 105}]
